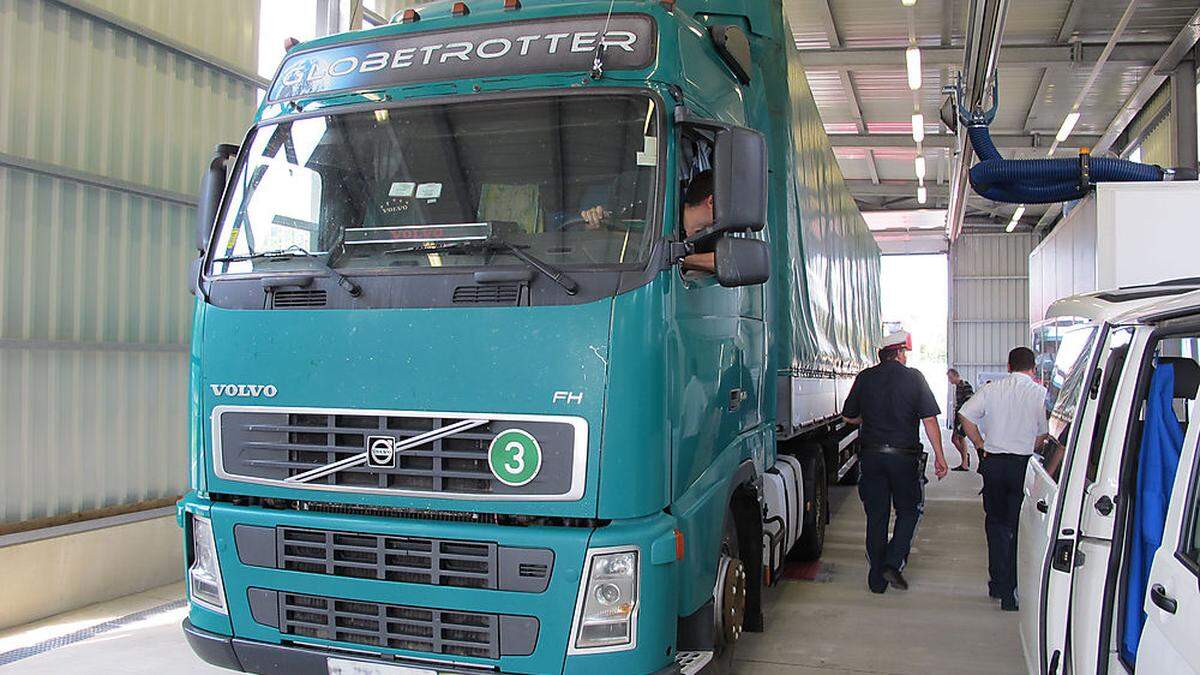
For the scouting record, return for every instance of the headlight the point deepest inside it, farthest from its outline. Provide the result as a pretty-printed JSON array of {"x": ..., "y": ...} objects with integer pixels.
[
  {"x": 606, "y": 611},
  {"x": 204, "y": 575}
]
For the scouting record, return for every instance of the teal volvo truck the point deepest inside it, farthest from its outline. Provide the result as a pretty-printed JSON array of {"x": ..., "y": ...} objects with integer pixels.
[{"x": 467, "y": 396}]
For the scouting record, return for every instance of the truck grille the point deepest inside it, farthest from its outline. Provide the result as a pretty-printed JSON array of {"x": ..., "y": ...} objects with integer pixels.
[
  {"x": 421, "y": 629},
  {"x": 271, "y": 445},
  {"x": 415, "y": 560},
  {"x": 392, "y": 626}
]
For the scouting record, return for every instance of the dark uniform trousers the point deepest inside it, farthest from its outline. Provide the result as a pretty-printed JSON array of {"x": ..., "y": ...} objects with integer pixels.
[
  {"x": 889, "y": 480},
  {"x": 1003, "y": 492}
]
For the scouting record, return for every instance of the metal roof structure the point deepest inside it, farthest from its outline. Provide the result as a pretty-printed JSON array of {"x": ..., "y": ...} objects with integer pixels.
[{"x": 854, "y": 55}]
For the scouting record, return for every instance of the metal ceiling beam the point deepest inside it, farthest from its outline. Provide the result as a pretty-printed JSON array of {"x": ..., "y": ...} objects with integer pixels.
[
  {"x": 1003, "y": 139},
  {"x": 893, "y": 188},
  {"x": 1070, "y": 20},
  {"x": 1022, "y": 56},
  {"x": 1175, "y": 52}
]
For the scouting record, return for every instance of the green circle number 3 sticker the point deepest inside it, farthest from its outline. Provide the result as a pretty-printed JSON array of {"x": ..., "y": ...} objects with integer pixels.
[{"x": 514, "y": 457}]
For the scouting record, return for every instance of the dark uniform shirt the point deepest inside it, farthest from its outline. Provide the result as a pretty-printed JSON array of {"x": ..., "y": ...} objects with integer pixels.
[
  {"x": 891, "y": 399},
  {"x": 962, "y": 392}
]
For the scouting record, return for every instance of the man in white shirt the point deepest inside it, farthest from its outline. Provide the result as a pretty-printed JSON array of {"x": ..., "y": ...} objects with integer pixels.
[{"x": 1012, "y": 414}]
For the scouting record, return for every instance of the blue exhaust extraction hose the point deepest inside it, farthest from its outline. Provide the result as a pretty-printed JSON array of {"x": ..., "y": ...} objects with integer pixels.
[{"x": 1044, "y": 181}]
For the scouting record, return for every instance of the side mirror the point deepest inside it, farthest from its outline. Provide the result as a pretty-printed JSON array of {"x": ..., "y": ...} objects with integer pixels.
[
  {"x": 742, "y": 262},
  {"x": 212, "y": 188},
  {"x": 739, "y": 181}
]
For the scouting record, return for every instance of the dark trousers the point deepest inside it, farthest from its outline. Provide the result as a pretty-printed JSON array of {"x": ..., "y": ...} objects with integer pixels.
[
  {"x": 889, "y": 481},
  {"x": 1003, "y": 492}
]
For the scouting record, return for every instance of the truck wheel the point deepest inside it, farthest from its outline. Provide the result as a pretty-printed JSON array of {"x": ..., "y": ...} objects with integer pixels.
[
  {"x": 729, "y": 598},
  {"x": 812, "y": 538}
]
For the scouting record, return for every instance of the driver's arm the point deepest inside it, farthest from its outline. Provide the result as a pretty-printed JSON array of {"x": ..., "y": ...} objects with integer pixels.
[{"x": 701, "y": 262}]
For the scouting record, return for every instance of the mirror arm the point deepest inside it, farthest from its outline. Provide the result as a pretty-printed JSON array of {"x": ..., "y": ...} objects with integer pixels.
[{"x": 685, "y": 116}]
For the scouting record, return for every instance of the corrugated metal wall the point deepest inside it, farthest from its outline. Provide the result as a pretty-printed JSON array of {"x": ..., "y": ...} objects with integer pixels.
[
  {"x": 94, "y": 309},
  {"x": 989, "y": 301}
]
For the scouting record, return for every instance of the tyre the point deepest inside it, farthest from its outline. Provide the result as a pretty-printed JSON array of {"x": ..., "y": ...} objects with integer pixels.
[
  {"x": 729, "y": 598},
  {"x": 812, "y": 538}
]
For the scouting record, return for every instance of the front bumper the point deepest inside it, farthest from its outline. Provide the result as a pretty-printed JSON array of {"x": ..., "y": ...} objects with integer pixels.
[
  {"x": 258, "y": 657},
  {"x": 242, "y": 641}
]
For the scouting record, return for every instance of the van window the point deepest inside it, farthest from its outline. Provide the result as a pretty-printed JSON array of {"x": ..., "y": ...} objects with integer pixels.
[
  {"x": 1190, "y": 546},
  {"x": 1064, "y": 385}
]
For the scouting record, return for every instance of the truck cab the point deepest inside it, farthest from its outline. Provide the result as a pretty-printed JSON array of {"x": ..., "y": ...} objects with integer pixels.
[
  {"x": 1107, "y": 562},
  {"x": 458, "y": 403}
]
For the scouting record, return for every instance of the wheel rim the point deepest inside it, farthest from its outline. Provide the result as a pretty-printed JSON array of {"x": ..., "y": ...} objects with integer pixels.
[{"x": 730, "y": 596}]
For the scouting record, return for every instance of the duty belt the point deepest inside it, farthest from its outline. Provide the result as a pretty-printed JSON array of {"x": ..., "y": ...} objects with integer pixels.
[{"x": 893, "y": 450}]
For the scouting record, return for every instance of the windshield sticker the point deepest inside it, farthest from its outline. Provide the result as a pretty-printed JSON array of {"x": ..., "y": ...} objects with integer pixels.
[
  {"x": 402, "y": 189},
  {"x": 514, "y": 48},
  {"x": 429, "y": 191},
  {"x": 649, "y": 153}
]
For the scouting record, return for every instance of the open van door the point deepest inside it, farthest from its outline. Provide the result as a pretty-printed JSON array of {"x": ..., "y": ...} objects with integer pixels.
[
  {"x": 1047, "y": 524},
  {"x": 1169, "y": 641}
]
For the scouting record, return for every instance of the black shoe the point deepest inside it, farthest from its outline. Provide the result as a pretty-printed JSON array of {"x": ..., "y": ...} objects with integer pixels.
[
  {"x": 993, "y": 595},
  {"x": 894, "y": 578},
  {"x": 961, "y": 468},
  {"x": 1009, "y": 604},
  {"x": 878, "y": 591}
]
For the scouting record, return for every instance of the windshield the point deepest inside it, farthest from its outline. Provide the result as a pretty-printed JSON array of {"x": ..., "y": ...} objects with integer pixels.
[{"x": 569, "y": 180}]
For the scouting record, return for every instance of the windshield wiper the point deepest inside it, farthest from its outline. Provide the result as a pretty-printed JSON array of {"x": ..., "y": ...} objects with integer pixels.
[
  {"x": 296, "y": 252},
  {"x": 497, "y": 245}
]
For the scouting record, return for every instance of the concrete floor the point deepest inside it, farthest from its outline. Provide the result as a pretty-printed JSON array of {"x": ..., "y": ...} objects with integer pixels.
[{"x": 944, "y": 624}]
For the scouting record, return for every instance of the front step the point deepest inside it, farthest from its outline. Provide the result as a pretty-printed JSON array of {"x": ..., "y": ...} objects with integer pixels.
[{"x": 692, "y": 663}]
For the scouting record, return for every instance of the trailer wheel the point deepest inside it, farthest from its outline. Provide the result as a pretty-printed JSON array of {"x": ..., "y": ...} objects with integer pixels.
[
  {"x": 812, "y": 538},
  {"x": 729, "y": 598}
]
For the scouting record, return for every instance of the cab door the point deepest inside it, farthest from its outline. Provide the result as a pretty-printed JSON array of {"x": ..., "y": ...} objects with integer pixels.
[
  {"x": 1048, "y": 514},
  {"x": 1169, "y": 641}
]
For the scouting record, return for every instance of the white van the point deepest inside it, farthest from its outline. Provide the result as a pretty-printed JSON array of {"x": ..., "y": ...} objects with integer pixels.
[{"x": 1077, "y": 562}]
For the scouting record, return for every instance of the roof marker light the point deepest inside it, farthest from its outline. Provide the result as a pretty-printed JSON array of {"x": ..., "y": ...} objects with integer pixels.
[
  {"x": 912, "y": 57},
  {"x": 918, "y": 127}
]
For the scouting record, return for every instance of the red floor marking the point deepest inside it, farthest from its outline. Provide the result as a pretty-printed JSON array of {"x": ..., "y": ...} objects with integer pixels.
[{"x": 802, "y": 571}]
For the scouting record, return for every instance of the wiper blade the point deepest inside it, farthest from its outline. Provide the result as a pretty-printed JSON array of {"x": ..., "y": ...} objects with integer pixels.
[
  {"x": 495, "y": 245},
  {"x": 281, "y": 254},
  {"x": 296, "y": 252}
]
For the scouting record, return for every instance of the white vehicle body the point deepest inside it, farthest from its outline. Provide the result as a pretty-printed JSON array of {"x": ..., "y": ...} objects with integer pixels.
[
  {"x": 1097, "y": 355},
  {"x": 1114, "y": 238}
]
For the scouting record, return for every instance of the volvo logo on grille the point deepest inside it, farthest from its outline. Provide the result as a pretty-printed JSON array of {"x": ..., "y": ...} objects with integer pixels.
[{"x": 381, "y": 452}]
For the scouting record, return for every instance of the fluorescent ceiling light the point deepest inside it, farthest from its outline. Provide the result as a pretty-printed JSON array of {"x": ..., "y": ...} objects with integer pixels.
[
  {"x": 1016, "y": 218},
  {"x": 908, "y": 3},
  {"x": 920, "y": 166},
  {"x": 918, "y": 127},
  {"x": 912, "y": 57},
  {"x": 1068, "y": 124},
  {"x": 922, "y": 194}
]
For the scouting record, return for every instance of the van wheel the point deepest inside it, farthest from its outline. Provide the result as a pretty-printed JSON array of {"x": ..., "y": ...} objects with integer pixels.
[
  {"x": 812, "y": 538},
  {"x": 729, "y": 598}
]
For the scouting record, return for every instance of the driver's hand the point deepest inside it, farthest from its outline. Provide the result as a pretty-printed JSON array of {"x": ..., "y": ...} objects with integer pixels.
[{"x": 593, "y": 217}]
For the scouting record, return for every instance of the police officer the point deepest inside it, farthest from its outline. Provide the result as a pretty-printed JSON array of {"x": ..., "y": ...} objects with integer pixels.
[{"x": 890, "y": 401}]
